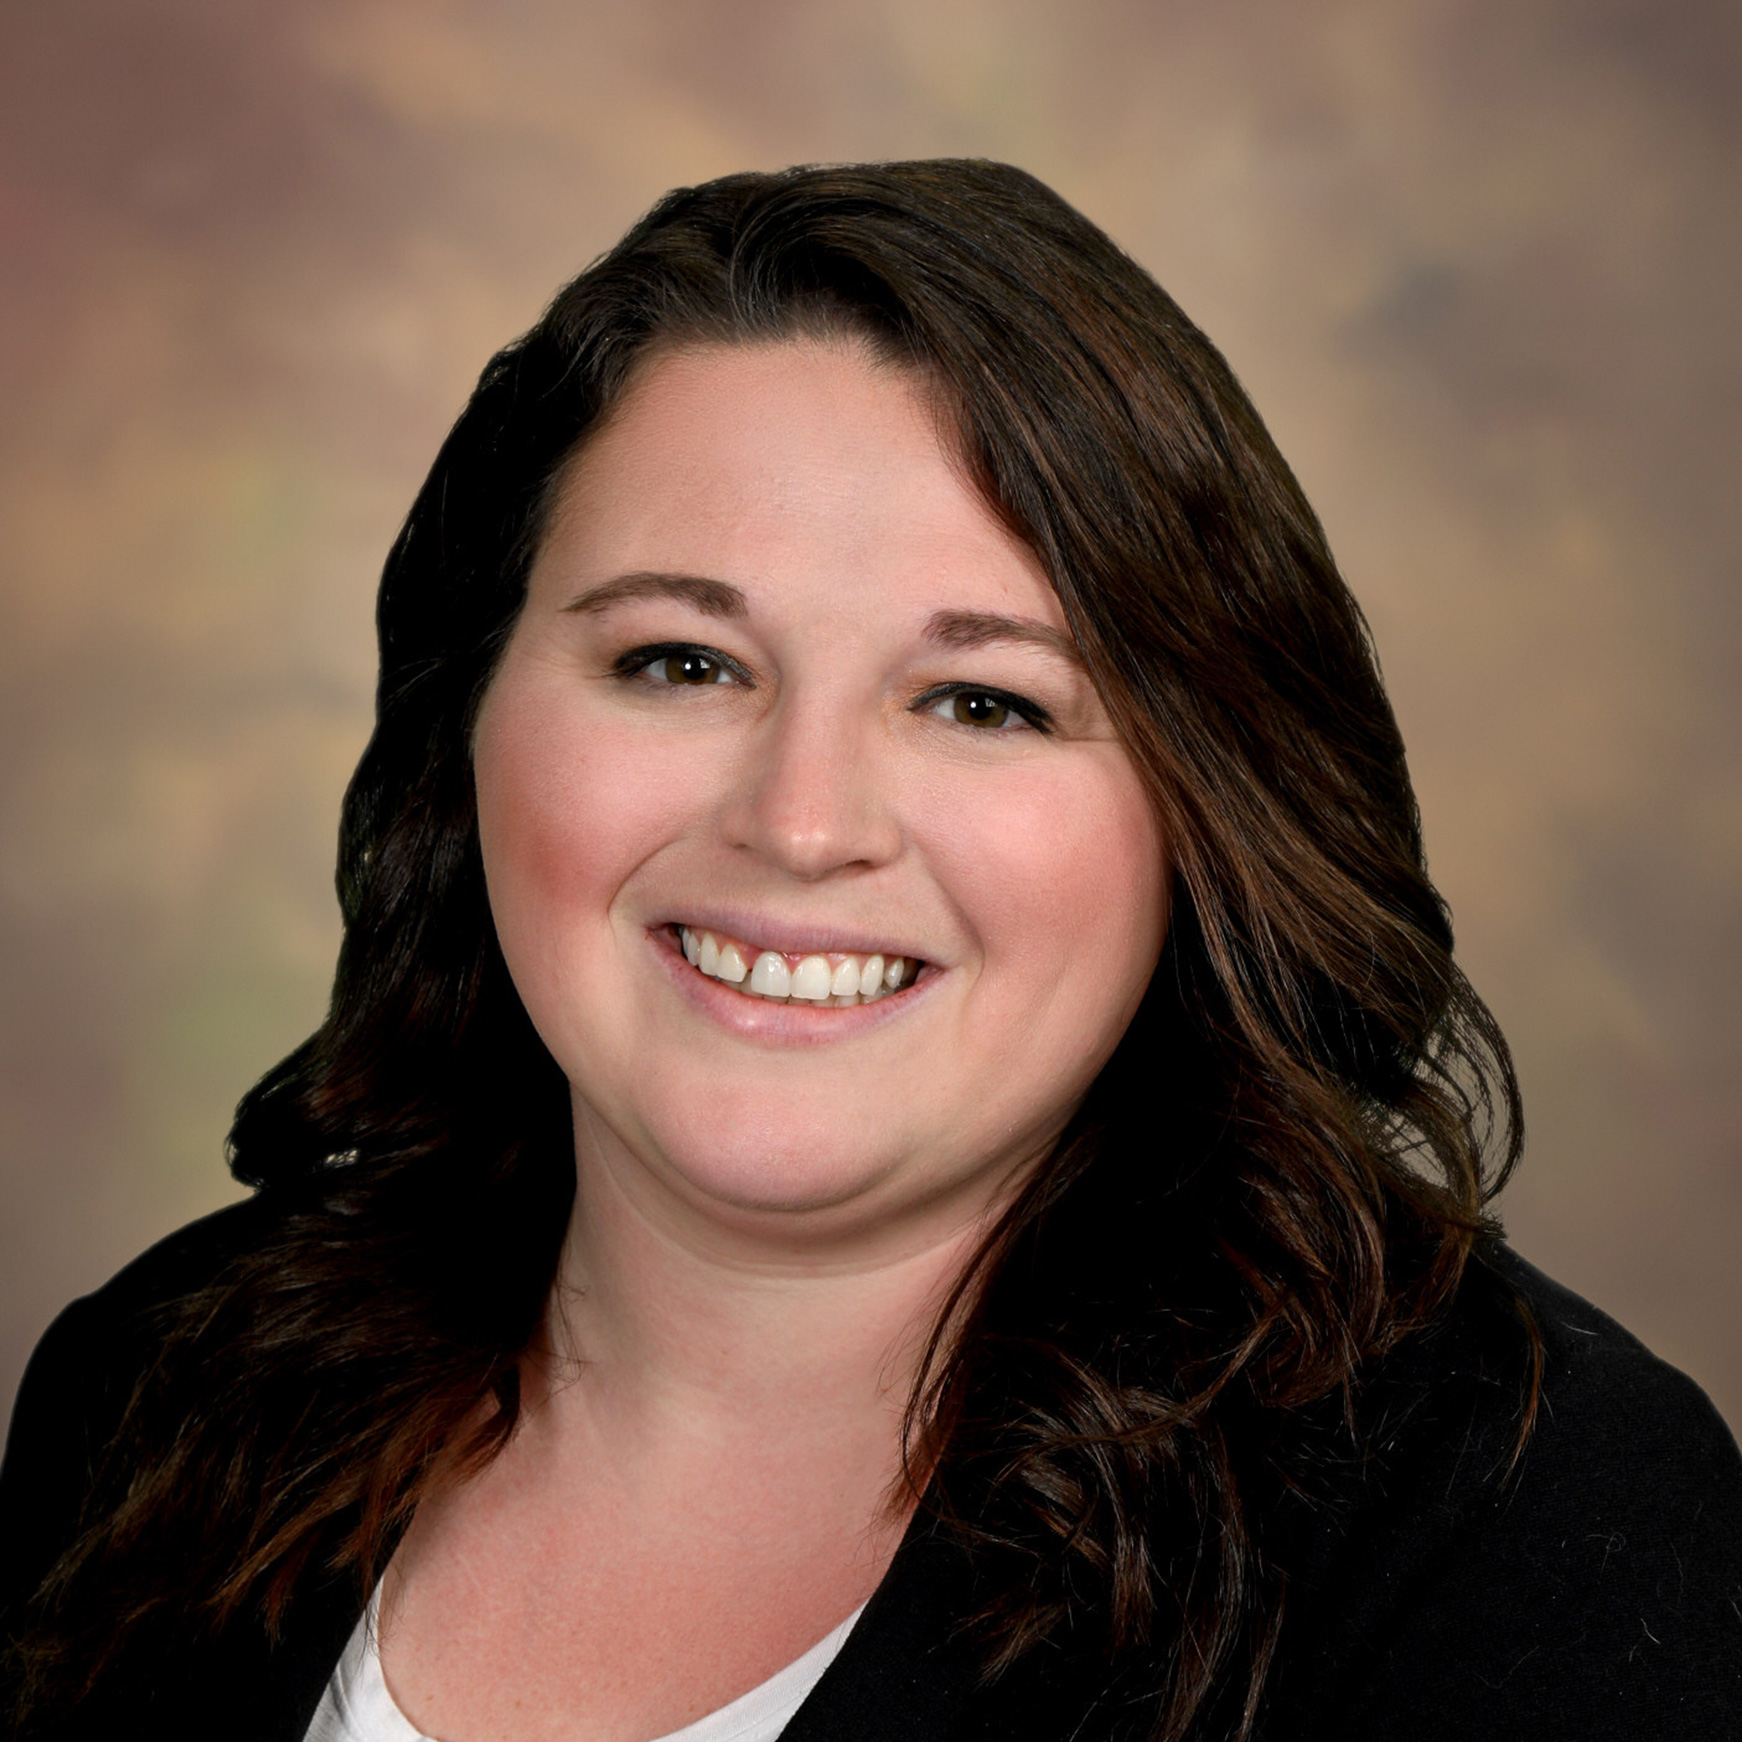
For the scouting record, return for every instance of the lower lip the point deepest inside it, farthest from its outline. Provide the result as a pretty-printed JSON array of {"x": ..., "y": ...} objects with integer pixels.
[{"x": 781, "y": 1023}]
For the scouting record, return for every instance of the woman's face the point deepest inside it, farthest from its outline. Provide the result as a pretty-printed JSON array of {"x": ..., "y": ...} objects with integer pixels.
[{"x": 785, "y": 691}]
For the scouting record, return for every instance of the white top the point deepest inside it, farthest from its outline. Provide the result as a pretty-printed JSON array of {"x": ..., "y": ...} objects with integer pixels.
[{"x": 357, "y": 1706}]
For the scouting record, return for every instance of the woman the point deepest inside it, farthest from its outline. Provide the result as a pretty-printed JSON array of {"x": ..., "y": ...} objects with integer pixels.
[{"x": 898, "y": 1151}]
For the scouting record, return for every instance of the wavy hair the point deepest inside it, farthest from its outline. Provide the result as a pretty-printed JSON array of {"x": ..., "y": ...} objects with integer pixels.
[{"x": 1281, "y": 1173}]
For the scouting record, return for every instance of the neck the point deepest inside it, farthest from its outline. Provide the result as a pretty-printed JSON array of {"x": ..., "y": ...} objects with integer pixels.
[{"x": 792, "y": 1330}]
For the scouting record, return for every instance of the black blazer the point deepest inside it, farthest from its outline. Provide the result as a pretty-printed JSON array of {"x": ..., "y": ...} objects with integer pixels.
[{"x": 1596, "y": 1596}]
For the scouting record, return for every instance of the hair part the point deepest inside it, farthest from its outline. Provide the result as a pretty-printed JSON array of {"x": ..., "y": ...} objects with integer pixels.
[{"x": 1280, "y": 1175}]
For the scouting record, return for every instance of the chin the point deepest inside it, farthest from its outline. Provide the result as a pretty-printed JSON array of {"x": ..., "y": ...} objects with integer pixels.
[
  {"x": 744, "y": 1140},
  {"x": 749, "y": 1171}
]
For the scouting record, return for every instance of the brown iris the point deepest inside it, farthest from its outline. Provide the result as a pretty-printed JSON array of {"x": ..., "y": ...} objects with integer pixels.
[
  {"x": 691, "y": 668},
  {"x": 980, "y": 710}
]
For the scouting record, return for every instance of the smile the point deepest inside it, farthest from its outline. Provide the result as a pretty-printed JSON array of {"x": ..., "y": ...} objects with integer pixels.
[{"x": 836, "y": 979}]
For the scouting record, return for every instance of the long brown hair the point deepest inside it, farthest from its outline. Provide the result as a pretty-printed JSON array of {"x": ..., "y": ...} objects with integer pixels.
[{"x": 1281, "y": 1173}]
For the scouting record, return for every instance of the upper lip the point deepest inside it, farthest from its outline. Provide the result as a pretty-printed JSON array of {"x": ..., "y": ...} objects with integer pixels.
[{"x": 790, "y": 937}]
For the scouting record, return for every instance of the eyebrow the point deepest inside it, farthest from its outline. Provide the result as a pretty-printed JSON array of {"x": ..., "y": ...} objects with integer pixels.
[
  {"x": 712, "y": 598},
  {"x": 959, "y": 630},
  {"x": 966, "y": 629}
]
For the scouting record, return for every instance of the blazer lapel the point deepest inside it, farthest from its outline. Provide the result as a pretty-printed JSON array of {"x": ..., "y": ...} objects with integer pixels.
[{"x": 905, "y": 1672}]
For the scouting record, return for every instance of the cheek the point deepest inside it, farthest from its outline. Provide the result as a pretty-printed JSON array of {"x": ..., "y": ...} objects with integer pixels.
[
  {"x": 568, "y": 807},
  {"x": 1065, "y": 881},
  {"x": 541, "y": 819}
]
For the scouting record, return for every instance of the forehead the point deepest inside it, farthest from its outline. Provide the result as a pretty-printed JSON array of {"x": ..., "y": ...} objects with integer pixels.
[{"x": 808, "y": 463}]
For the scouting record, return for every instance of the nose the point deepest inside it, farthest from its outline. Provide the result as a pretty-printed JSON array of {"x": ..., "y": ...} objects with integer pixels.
[{"x": 812, "y": 794}]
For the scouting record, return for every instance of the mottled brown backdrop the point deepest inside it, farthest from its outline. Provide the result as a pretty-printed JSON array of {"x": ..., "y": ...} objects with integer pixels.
[{"x": 1478, "y": 261}]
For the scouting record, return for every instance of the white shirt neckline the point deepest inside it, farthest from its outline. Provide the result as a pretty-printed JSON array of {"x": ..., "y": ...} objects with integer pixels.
[{"x": 358, "y": 1706}]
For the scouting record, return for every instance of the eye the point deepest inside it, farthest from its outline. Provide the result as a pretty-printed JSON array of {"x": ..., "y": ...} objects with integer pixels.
[
  {"x": 694, "y": 667},
  {"x": 987, "y": 711},
  {"x": 972, "y": 710},
  {"x": 677, "y": 665}
]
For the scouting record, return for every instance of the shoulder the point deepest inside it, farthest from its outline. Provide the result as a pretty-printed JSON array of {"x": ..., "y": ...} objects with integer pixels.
[
  {"x": 80, "y": 1379},
  {"x": 1616, "y": 1427},
  {"x": 100, "y": 1338},
  {"x": 190, "y": 1258},
  {"x": 1581, "y": 1578}
]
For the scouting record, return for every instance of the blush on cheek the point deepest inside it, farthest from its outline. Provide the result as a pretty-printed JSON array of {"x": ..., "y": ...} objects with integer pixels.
[
  {"x": 1128, "y": 879},
  {"x": 571, "y": 802},
  {"x": 533, "y": 784},
  {"x": 1072, "y": 873},
  {"x": 545, "y": 787}
]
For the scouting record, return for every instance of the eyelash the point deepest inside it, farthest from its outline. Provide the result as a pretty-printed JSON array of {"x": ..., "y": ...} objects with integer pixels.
[
  {"x": 1030, "y": 713},
  {"x": 638, "y": 659},
  {"x": 636, "y": 662}
]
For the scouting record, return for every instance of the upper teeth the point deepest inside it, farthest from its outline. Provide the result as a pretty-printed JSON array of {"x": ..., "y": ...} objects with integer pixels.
[{"x": 836, "y": 979}]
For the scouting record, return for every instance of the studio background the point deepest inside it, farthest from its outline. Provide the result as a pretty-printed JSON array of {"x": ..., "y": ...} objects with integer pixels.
[{"x": 1477, "y": 260}]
